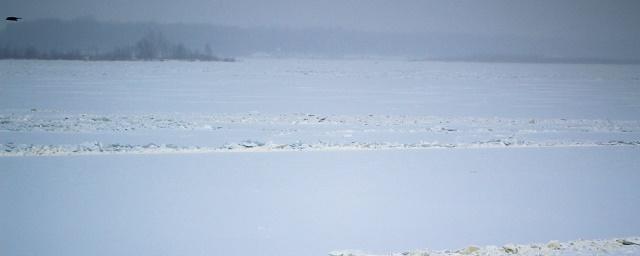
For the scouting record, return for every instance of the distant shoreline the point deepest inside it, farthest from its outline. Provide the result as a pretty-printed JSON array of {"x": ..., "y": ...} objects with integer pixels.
[
  {"x": 452, "y": 60},
  {"x": 535, "y": 60},
  {"x": 87, "y": 38},
  {"x": 124, "y": 60}
]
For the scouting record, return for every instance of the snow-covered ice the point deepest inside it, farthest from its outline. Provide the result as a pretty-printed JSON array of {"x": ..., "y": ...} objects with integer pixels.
[
  {"x": 292, "y": 203},
  {"x": 179, "y": 133},
  {"x": 626, "y": 246},
  {"x": 336, "y": 87},
  {"x": 291, "y": 157}
]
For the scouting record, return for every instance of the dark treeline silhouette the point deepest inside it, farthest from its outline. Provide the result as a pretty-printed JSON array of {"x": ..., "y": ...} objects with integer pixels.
[
  {"x": 87, "y": 38},
  {"x": 152, "y": 46}
]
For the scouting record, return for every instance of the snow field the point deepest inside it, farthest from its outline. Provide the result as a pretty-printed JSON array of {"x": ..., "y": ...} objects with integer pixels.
[{"x": 305, "y": 157}]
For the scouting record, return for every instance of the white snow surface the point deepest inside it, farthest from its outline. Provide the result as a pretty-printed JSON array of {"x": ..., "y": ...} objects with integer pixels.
[
  {"x": 325, "y": 87},
  {"x": 626, "y": 246},
  {"x": 185, "y": 133},
  {"x": 307, "y": 156}
]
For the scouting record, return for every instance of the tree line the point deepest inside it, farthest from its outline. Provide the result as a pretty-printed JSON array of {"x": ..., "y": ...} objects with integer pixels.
[{"x": 152, "y": 46}]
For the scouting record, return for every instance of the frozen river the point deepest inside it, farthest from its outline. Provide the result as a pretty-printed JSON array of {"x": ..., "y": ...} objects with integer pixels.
[
  {"x": 304, "y": 157},
  {"x": 281, "y": 86}
]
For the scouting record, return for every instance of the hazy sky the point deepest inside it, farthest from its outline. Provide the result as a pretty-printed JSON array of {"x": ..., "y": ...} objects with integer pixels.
[{"x": 530, "y": 17}]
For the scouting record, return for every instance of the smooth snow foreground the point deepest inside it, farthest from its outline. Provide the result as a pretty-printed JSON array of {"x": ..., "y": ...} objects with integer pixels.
[{"x": 315, "y": 202}]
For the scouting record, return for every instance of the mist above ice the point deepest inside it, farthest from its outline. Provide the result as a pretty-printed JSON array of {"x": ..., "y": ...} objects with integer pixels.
[{"x": 496, "y": 29}]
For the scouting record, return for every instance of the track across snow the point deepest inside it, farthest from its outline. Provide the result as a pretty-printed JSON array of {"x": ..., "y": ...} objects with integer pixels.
[{"x": 295, "y": 132}]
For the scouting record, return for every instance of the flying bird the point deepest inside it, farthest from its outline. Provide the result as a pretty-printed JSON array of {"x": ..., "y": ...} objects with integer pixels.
[{"x": 11, "y": 18}]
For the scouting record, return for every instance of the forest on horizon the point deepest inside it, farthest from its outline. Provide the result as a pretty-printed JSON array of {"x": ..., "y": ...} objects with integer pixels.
[{"x": 87, "y": 38}]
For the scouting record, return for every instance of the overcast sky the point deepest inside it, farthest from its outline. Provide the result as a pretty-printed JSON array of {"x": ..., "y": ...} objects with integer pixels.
[{"x": 530, "y": 17}]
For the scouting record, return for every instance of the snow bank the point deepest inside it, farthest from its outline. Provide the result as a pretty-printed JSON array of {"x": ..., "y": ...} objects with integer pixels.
[
  {"x": 626, "y": 246},
  {"x": 95, "y": 148},
  {"x": 255, "y": 132},
  {"x": 54, "y": 121}
]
